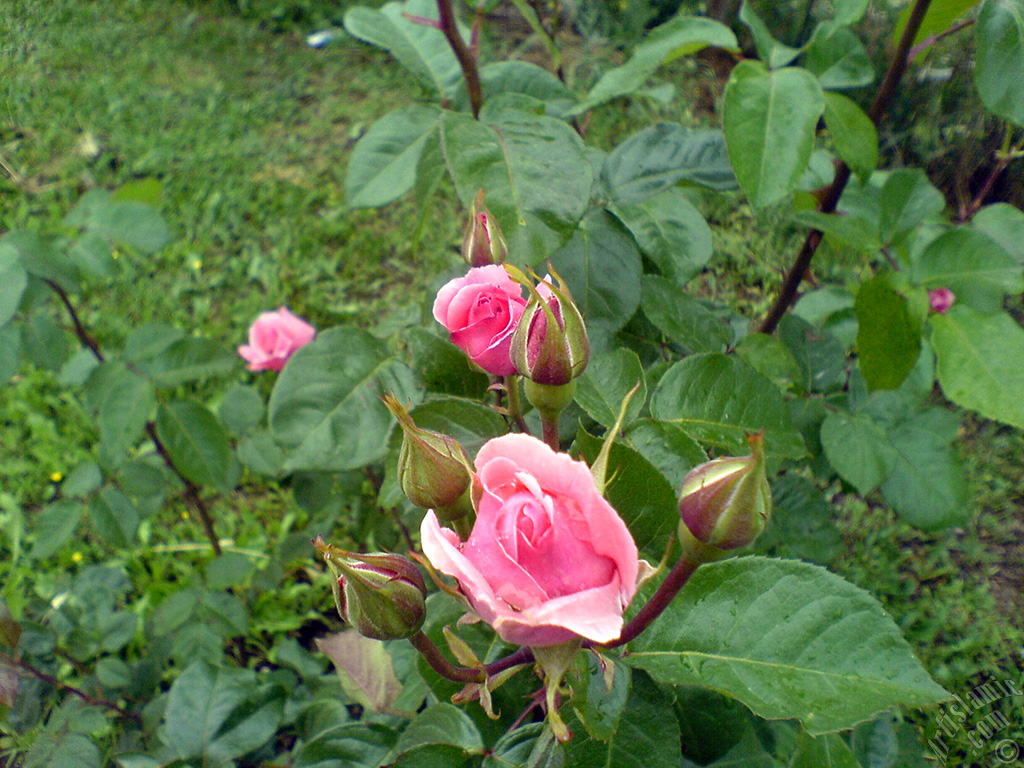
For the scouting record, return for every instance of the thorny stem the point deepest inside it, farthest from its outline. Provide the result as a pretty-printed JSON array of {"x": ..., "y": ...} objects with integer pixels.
[
  {"x": 112, "y": 705},
  {"x": 191, "y": 495},
  {"x": 1003, "y": 158},
  {"x": 830, "y": 198},
  {"x": 549, "y": 428},
  {"x": 466, "y": 61},
  {"x": 931, "y": 40}
]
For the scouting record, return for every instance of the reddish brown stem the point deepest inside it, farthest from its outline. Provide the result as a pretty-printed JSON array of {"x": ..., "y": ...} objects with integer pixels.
[
  {"x": 441, "y": 665},
  {"x": 886, "y": 91},
  {"x": 466, "y": 61},
  {"x": 83, "y": 335},
  {"x": 111, "y": 705}
]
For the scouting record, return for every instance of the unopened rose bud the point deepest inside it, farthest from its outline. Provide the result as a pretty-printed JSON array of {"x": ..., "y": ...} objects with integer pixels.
[
  {"x": 941, "y": 299},
  {"x": 550, "y": 345},
  {"x": 433, "y": 469},
  {"x": 726, "y": 503},
  {"x": 381, "y": 595},
  {"x": 483, "y": 242}
]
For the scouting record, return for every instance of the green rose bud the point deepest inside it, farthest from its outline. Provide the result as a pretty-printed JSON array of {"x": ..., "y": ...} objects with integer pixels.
[
  {"x": 483, "y": 242},
  {"x": 550, "y": 345},
  {"x": 434, "y": 470},
  {"x": 726, "y": 503},
  {"x": 381, "y": 595}
]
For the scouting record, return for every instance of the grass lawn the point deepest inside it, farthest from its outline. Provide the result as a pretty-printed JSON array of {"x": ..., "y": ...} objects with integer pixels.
[{"x": 248, "y": 131}]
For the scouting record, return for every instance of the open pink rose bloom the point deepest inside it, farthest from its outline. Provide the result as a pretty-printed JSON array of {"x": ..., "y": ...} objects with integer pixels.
[
  {"x": 549, "y": 559},
  {"x": 273, "y": 338},
  {"x": 480, "y": 311}
]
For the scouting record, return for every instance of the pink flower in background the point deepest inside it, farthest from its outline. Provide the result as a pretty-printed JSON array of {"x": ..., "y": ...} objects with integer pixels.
[
  {"x": 549, "y": 559},
  {"x": 941, "y": 299},
  {"x": 273, "y": 338},
  {"x": 480, "y": 311}
]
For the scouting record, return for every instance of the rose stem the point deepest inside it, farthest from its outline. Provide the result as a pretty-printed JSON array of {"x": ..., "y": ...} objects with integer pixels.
[
  {"x": 467, "y": 63},
  {"x": 441, "y": 665},
  {"x": 550, "y": 431},
  {"x": 676, "y": 579},
  {"x": 515, "y": 403}
]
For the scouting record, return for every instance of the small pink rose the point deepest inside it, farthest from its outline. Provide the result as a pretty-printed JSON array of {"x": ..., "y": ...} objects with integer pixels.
[
  {"x": 273, "y": 338},
  {"x": 941, "y": 299},
  {"x": 548, "y": 560},
  {"x": 480, "y": 311}
]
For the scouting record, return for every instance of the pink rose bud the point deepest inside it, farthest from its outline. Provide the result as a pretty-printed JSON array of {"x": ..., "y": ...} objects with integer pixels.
[
  {"x": 941, "y": 299},
  {"x": 726, "y": 503},
  {"x": 483, "y": 242},
  {"x": 480, "y": 311},
  {"x": 550, "y": 346},
  {"x": 273, "y": 338},
  {"x": 382, "y": 595},
  {"x": 549, "y": 560},
  {"x": 434, "y": 470}
]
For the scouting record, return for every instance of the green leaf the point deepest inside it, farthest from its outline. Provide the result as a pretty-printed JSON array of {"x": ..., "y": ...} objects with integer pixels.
[
  {"x": 242, "y": 409},
  {"x": 770, "y": 119},
  {"x": 657, "y": 158},
  {"x": 114, "y": 518},
  {"x": 1000, "y": 50},
  {"x": 671, "y": 232},
  {"x": 120, "y": 220},
  {"x": 906, "y": 200},
  {"x": 973, "y": 266},
  {"x": 667, "y": 447},
  {"x": 353, "y": 745},
  {"x": 979, "y": 362},
  {"x": 123, "y": 401},
  {"x": 680, "y": 36},
  {"x": 364, "y": 667},
  {"x": 827, "y": 750},
  {"x": 719, "y": 399},
  {"x": 442, "y": 367},
  {"x": 197, "y": 443},
  {"x": 602, "y": 266},
  {"x": 849, "y": 11},
  {"x": 440, "y": 724},
  {"x": 533, "y": 169},
  {"x": 383, "y": 163},
  {"x": 13, "y": 282},
  {"x": 44, "y": 342},
  {"x": 682, "y": 319},
  {"x": 838, "y": 58},
  {"x": 647, "y": 735},
  {"x": 10, "y": 351},
  {"x": 772, "y": 359},
  {"x": 521, "y": 78},
  {"x": 927, "y": 486},
  {"x": 605, "y": 383},
  {"x": 70, "y": 749},
  {"x": 850, "y": 230},
  {"x": 802, "y": 525},
  {"x": 748, "y": 752},
  {"x": 421, "y": 49},
  {"x": 528, "y": 746},
  {"x": 325, "y": 408},
  {"x": 41, "y": 256},
  {"x": 769, "y": 50},
  {"x": 820, "y": 649},
  {"x": 820, "y": 357},
  {"x": 888, "y": 335},
  {"x": 189, "y": 359},
  {"x": 217, "y": 714},
  {"x": 638, "y": 492},
  {"x": 1004, "y": 224},
  {"x": 600, "y": 699},
  {"x": 53, "y": 527},
  {"x": 859, "y": 449},
  {"x": 853, "y": 133}
]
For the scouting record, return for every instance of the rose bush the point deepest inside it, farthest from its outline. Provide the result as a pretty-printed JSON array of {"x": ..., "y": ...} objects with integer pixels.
[
  {"x": 548, "y": 559},
  {"x": 273, "y": 338},
  {"x": 480, "y": 311}
]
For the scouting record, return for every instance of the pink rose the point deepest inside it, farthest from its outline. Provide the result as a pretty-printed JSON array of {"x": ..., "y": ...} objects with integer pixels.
[
  {"x": 480, "y": 311},
  {"x": 548, "y": 559},
  {"x": 273, "y": 338},
  {"x": 941, "y": 299}
]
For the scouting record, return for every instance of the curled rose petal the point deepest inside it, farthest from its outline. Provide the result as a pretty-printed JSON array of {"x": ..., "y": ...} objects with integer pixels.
[{"x": 548, "y": 560}]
